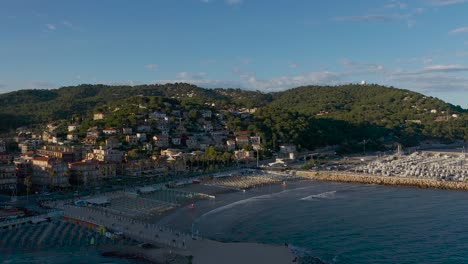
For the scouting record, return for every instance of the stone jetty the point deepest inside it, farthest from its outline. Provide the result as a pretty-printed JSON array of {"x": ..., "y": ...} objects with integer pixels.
[{"x": 382, "y": 180}]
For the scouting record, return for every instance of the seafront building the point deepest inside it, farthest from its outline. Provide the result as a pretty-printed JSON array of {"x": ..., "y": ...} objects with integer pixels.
[
  {"x": 91, "y": 171},
  {"x": 7, "y": 175},
  {"x": 49, "y": 171}
]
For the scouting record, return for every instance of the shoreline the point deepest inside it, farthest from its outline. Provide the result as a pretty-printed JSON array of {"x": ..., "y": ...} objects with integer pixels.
[{"x": 382, "y": 180}]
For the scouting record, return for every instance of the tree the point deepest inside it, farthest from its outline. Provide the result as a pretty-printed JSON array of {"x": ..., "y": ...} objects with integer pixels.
[{"x": 28, "y": 183}]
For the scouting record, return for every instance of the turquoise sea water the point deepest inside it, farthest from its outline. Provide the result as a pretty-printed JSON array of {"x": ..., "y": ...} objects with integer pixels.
[{"x": 350, "y": 223}]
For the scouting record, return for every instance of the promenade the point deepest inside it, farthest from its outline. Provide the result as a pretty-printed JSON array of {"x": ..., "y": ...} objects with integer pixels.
[{"x": 173, "y": 242}]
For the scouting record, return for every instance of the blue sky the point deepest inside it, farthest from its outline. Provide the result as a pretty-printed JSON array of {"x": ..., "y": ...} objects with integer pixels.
[{"x": 421, "y": 45}]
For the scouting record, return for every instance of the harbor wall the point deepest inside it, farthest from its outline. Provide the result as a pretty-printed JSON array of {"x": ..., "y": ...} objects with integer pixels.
[{"x": 382, "y": 180}]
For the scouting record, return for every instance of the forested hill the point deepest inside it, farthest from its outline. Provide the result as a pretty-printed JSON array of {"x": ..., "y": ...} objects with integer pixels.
[
  {"x": 380, "y": 105},
  {"x": 37, "y": 106},
  {"x": 326, "y": 114},
  {"x": 349, "y": 114}
]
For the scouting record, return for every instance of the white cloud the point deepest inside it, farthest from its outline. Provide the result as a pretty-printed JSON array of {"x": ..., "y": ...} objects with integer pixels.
[
  {"x": 208, "y": 61},
  {"x": 191, "y": 75},
  {"x": 206, "y": 83},
  {"x": 396, "y": 5},
  {"x": 51, "y": 27},
  {"x": 286, "y": 82},
  {"x": 459, "y": 30},
  {"x": 293, "y": 65},
  {"x": 419, "y": 10},
  {"x": 448, "y": 2},
  {"x": 40, "y": 85},
  {"x": 444, "y": 68},
  {"x": 461, "y": 53},
  {"x": 365, "y": 18},
  {"x": 152, "y": 67},
  {"x": 245, "y": 61},
  {"x": 358, "y": 67},
  {"x": 433, "y": 82},
  {"x": 234, "y": 2},
  {"x": 67, "y": 23}
]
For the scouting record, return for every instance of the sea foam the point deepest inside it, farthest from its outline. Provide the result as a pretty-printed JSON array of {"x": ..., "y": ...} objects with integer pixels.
[{"x": 324, "y": 195}]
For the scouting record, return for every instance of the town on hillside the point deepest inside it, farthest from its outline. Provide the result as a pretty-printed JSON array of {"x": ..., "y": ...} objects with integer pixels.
[{"x": 129, "y": 145}]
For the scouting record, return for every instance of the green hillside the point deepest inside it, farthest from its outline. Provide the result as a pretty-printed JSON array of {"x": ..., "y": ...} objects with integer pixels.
[
  {"x": 358, "y": 113},
  {"x": 37, "y": 106},
  {"x": 310, "y": 116}
]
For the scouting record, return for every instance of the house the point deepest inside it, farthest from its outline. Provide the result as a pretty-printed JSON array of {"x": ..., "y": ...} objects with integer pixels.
[
  {"x": 255, "y": 140},
  {"x": 148, "y": 146},
  {"x": 143, "y": 167},
  {"x": 65, "y": 154},
  {"x": 49, "y": 171},
  {"x": 98, "y": 116},
  {"x": 244, "y": 155},
  {"x": 90, "y": 140},
  {"x": 54, "y": 140},
  {"x": 441, "y": 118},
  {"x": 127, "y": 131},
  {"x": 72, "y": 128},
  {"x": 171, "y": 152},
  {"x": 192, "y": 142},
  {"x": 206, "y": 113},
  {"x": 231, "y": 144},
  {"x": 72, "y": 137},
  {"x": 27, "y": 146},
  {"x": 434, "y": 111},
  {"x": 287, "y": 151},
  {"x": 141, "y": 137},
  {"x": 158, "y": 115},
  {"x": 109, "y": 131},
  {"x": 161, "y": 141},
  {"x": 51, "y": 127},
  {"x": 92, "y": 132},
  {"x": 208, "y": 127},
  {"x": 7, "y": 175},
  {"x": 84, "y": 172},
  {"x": 288, "y": 148},
  {"x": 105, "y": 154},
  {"x": 176, "y": 141},
  {"x": 144, "y": 128},
  {"x": 242, "y": 140},
  {"x": 242, "y": 133},
  {"x": 132, "y": 139},
  {"x": 112, "y": 143}
]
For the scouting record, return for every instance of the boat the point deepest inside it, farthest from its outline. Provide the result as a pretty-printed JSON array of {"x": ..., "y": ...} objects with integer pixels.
[{"x": 191, "y": 206}]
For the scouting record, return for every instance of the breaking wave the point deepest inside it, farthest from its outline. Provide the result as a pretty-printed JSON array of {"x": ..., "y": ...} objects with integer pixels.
[{"x": 324, "y": 195}]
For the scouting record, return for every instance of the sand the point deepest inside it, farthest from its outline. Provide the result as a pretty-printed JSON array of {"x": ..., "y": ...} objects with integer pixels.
[{"x": 213, "y": 252}]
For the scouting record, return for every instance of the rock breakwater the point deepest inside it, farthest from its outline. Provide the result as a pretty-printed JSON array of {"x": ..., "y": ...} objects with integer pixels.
[{"x": 382, "y": 180}]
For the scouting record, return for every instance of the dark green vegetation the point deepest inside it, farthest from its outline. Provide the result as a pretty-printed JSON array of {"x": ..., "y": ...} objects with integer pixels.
[
  {"x": 355, "y": 114},
  {"x": 310, "y": 116}
]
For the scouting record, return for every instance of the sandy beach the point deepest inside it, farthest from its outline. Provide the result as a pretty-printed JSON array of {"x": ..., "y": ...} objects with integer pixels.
[
  {"x": 172, "y": 237},
  {"x": 206, "y": 252},
  {"x": 212, "y": 252}
]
